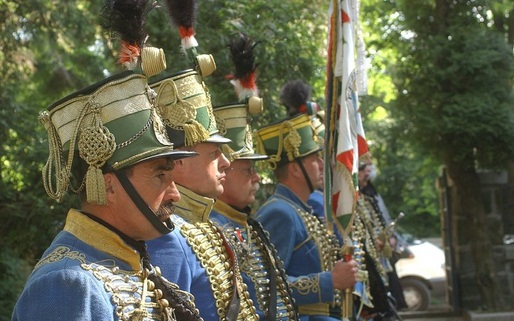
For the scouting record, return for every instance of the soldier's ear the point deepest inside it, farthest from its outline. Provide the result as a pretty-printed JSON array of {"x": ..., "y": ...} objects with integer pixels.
[
  {"x": 294, "y": 169},
  {"x": 179, "y": 166},
  {"x": 110, "y": 180},
  {"x": 177, "y": 163}
]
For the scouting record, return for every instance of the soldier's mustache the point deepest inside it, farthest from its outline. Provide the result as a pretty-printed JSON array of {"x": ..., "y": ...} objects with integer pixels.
[{"x": 165, "y": 211}]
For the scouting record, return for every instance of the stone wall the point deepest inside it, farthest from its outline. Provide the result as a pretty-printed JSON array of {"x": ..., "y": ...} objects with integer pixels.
[{"x": 499, "y": 204}]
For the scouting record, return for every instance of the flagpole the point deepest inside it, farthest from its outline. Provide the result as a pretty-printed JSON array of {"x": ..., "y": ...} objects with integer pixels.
[{"x": 345, "y": 140}]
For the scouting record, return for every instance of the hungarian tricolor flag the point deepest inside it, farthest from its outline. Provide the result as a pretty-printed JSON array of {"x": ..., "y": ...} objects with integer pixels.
[
  {"x": 345, "y": 140},
  {"x": 345, "y": 133}
]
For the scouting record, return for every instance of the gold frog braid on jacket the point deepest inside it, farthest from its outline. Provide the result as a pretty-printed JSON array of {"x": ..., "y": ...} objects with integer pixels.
[
  {"x": 252, "y": 250},
  {"x": 207, "y": 242},
  {"x": 371, "y": 233},
  {"x": 327, "y": 247}
]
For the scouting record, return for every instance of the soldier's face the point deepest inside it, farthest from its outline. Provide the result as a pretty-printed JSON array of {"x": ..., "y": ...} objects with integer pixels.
[
  {"x": 241, "y": 184},
  {"x": 203, "y": 174},
  {"x": 364, "y": 175},
  {"x": 153, "y": 180}
]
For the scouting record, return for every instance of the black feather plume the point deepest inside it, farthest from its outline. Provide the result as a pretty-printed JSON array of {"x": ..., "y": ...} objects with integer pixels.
[
  {"x": 241, "y": 50},
  {"x": 127, "y": 19},
  {"x": 295, "y": 93},
  {"x": 182, "y": 12}
]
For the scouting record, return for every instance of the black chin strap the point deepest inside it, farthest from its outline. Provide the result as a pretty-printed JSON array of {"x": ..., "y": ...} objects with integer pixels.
[
  {"x": 307, "y": 179},
  {"x": 142, "y": 206}
]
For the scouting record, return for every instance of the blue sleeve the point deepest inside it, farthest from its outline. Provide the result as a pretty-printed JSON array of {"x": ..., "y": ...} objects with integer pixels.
[
  {"x": 63, "y": 295},
  {"x": 312, "y": 288}
]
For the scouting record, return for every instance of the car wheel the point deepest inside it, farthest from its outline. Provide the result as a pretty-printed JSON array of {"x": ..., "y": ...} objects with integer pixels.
[{"x": 416, "y": 293}]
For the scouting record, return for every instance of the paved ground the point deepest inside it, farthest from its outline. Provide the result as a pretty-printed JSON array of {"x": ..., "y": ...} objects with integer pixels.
[
  {"x": 445, "y": 315},
  {"x": 432, "y": 317},
  {"x": 435, "y": 313}
]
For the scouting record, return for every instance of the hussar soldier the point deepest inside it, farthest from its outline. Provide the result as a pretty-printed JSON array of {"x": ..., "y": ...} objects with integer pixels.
[
  {"x": 197, "y": 255},
  {"x": 310, "y": 256},
  {"x": 262, "y": 269}
]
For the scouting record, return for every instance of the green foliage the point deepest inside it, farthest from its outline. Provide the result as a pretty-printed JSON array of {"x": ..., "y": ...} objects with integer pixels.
[
  {"x": 455, "y": 88},
  {"x": 13, "y": 273},
  {"x": 452, "y": 73}
]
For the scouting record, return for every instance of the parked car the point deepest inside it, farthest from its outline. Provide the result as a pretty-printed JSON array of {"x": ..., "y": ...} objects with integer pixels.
[{"x": 421, "y": 272}]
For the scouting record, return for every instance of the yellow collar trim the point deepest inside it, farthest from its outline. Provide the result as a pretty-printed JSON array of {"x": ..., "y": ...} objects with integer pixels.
[
  {"x": 230, "y": 212},
  {"x": 100, "y": 237},
  {"x": 193, "y": 207}
]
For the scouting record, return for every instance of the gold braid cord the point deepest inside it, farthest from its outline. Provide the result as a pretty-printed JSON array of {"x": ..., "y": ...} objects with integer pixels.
[
  {"x": 292, "y": 142},
  {"x": 379, "y": 230},
  {"x": 207, "y": 243},
  {"x": 375, "y": 224},
  {"x": 358, "y": 234},
  {"x": 369, "y": 239},
  {"x": 135, "y": 296},
  {"x": 212, "y": 118},
  {"x": 180, "y": 114},
  {"x": 256, "y": 262},
  {"x": 55, "y": 162},
  {"x": 96, "y": 145}
]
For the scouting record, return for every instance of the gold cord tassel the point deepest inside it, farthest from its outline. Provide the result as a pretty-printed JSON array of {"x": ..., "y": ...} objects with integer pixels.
[
  {"x": 179, "y": 114},
  {"x": 96, "y": 145},
  {"x": 95, "y": 186},
  {"x": 194, "y": 133},
  {"x": 292, "y": 144},
  {"x": 53, "y": 166}
]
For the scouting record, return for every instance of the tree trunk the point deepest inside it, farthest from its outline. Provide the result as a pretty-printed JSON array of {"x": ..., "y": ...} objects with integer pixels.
[{"x": 469, "y": 216}]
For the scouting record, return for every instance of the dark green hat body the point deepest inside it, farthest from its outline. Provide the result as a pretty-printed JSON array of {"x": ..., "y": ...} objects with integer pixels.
[
  {"x": 107, "y": 126},
  {"x": 288, "y": 140},
  {"x": 234, "y": 123},
  {"x": 184, "y": 103},
  {"x": 318, "y": 122}
]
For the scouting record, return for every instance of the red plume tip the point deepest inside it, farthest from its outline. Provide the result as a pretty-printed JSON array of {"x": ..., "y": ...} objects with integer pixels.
[
  {"x": 249, "y": 81},
  {"x": 129, "y": 55},
  {"x": 186, "y": 32}
]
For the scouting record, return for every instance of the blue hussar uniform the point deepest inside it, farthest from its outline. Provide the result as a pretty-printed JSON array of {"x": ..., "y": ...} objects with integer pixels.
[
  {"x": 317, "y": 202},
  {"x": 262, "y": 268},
  {"x": 198, "y": 257},
  {"x": 307, "y": 251},
  {"x": 97, "y": 271}
]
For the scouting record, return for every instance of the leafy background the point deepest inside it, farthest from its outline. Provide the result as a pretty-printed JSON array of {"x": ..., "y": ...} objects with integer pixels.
[{"x": 440, "y": 94}]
